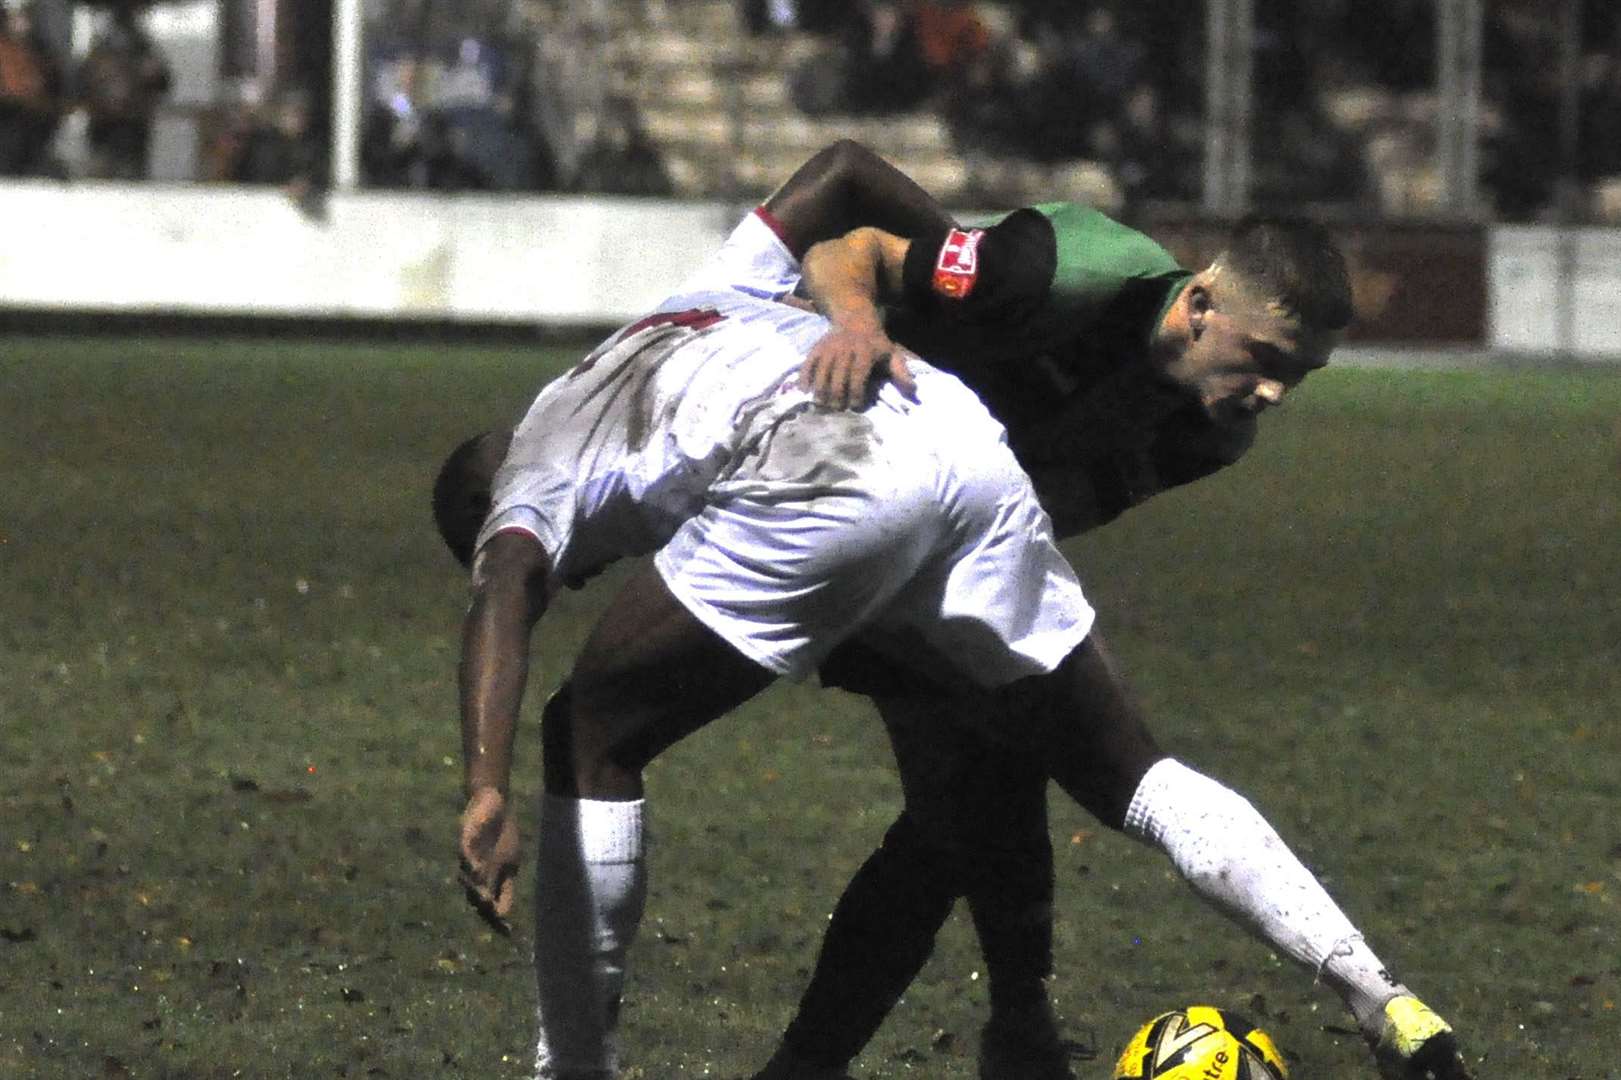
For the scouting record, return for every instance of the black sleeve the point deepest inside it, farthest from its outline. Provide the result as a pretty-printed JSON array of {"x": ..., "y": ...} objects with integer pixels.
[{"x": 984, "y": 275}]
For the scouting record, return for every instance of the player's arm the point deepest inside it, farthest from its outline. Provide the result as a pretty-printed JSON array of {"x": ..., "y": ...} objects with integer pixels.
[
  {"x": 989, "y": 280},
  {"x": 846, "y": 186},
  {"x": 509, "y": 596},
  {"x": 860, "y": 211},
  {"x": 848, "y": 278}
]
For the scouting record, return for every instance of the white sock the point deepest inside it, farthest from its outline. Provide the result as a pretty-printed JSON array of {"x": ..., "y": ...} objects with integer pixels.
[
  {"x": 1238, "y": 862},
  {"x": 590, "y": 889}
]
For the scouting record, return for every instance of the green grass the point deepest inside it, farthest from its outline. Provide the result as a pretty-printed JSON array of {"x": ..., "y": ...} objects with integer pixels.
[{"x": 227, "y": 734}]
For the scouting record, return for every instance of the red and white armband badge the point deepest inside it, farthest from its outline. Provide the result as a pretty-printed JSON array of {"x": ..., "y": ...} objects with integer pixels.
[{"x": 957, "y": 268}]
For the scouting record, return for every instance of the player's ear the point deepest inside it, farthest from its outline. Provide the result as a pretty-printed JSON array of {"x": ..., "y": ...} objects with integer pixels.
[{"x": 1199, "y": 309}]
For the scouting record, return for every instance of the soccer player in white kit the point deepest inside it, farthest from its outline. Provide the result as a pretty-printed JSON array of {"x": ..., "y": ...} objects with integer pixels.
[{"x": 782, "y": 529}]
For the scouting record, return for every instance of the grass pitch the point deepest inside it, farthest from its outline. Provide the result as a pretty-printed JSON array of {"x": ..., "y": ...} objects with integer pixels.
[{"x": 228, "y": 734}]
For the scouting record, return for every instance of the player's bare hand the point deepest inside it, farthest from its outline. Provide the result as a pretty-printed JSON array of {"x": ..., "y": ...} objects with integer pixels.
[
  {"x": 840, "y": 368},
  {"x": 489, "y": 857}
]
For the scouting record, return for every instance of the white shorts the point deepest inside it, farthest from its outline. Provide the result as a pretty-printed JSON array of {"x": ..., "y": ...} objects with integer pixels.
[
  {"x": 785, "y": 527},
  {"x": 911, "y": 523}
]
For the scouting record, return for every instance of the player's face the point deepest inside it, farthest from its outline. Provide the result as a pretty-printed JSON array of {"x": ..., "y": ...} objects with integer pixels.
[{"x": 1245, "y": 355}]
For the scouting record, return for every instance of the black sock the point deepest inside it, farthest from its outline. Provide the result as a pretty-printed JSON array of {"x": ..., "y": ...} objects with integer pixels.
[
  {"x": 881, "y": 933},
  {"x": 1010, "y": 896}
]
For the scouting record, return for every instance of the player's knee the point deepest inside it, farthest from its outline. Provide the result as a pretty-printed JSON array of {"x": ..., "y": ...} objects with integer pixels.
[
  {"x": 557, "y": 743},
  {"x": 1017, "y": 861},
  {"x": 1104, "y": 747},
  {"x": 1106, "y": 791},
  {"x": 1105, "y": 778},
  {"x": 911, "y": 846},
  {"x": 579, "y": 756},
  {"x": 980, "y": 831}
]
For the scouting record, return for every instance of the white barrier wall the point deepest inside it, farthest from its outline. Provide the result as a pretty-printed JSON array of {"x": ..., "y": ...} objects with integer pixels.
[
  {"x": 555, "y": 260},
  {"x": 1554, "y": 290},
  {"x": 229, "y": 250}
]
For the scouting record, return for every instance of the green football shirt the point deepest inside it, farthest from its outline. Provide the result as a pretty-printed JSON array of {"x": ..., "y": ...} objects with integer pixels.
[{"x": 1048, "y": 313}]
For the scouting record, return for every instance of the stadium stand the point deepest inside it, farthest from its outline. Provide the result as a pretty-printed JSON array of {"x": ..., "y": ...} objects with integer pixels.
[
  {"x": 717, "y": 101},
  {"x": 1344, "y": 125}
]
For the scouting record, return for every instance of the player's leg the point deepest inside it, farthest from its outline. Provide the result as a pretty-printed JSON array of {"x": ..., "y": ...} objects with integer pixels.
[
  {"x": 647, "y": 675},
  {"x": 785, "y": 562},
  {"x": 881, "y": 932},
  {"x": 1098, "y": 747},
  {"x": 883, "y": 928},
  {"x": 982, "y": 807},
  {"x": 974, "y": 825}
]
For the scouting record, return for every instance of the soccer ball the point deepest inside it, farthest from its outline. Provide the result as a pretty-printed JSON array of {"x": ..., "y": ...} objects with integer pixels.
[{"x": 1200, "y": 1042}]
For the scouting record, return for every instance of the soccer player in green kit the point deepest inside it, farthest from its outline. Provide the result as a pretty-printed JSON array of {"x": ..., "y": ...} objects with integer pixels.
[
  {"x": 1070, "y": 326},
  {"x": 1098, "y": 431}
]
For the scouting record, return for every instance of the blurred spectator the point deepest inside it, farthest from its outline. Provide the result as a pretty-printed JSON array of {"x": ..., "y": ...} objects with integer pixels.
[
  {"x": 472, "y": 122},
  {"x": 1601, "y": 118},
  {"x": 387, "y": 146},
  {"x": 888, "y": 72},
  {"x": 1300, "y": 155},
  {"x": 955, "y": 44},
  {"x": 951, "y": 36},
  {"x": 1521, "y": 157},
  {"x": 474, "y": 98},
  {"x": 407, "y": 148},
  {"x": 761, "y": 17},
  {"x": 281, "y": 146},
  {"x": 622, "y": 159},
  {"x": 121, "y": 81},
  {"x": 30, "y": 98},
  {"x": 1102, "y": 63},
  {"x": 874, "y": 64},
  {"x": 537, "y": 164},
  {"x": 1087, "y": 71},
  {"x": 444, "y": 160},
  {"x": 1155, "y": 159},
  {"x": 998, "y": 109},
  {"x": 277, "y": 148},
  {"x": 1069, "y": 84}
]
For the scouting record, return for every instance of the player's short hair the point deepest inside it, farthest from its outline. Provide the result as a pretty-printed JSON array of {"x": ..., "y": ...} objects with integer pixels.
[
  {"x": 1296, "y": 263},
  {"x": 461, "y": 491}
]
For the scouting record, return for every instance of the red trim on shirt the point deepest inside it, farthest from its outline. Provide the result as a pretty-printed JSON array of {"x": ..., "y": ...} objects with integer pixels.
[
  {"x": 776, "y": 226},
  {"x": 692, "y": 319}
]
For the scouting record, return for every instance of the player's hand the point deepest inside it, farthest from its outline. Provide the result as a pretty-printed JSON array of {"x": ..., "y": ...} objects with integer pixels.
[
  {"x": 839, "y": 367},
  {"x": 489, "y": 857}
]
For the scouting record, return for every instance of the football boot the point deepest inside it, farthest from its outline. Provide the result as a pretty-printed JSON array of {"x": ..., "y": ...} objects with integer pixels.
[
  {"x": 1027, "y": 1046},
  {"x": 1413, "y": 1043}
]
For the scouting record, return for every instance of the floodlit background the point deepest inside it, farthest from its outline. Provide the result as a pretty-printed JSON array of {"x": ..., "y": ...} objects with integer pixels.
[{"x": 245, "y": 313}]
